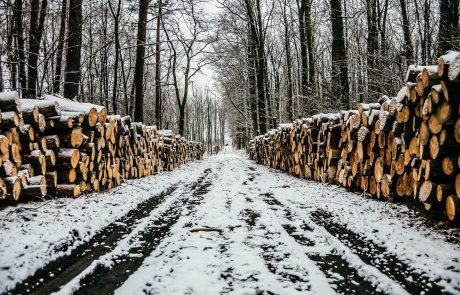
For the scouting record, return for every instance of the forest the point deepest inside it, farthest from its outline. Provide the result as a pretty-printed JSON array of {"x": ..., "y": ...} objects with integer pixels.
[{"x": 210, "y": 68}]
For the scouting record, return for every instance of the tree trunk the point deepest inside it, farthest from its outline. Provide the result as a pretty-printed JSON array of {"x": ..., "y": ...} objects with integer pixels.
[
  {"x": 408, "y": 48},
  {"x": 18, "y": 32},
  {"x": 339, "y": 57},
  {"x": 60, "y": 49},
  {"x": 261, "y": 73},
  {"x": 252, "y": 85},
  {"x": 116, "y": 17},
  {"x": 287, "y": 48},
  {"x": 309, "y": 38},
  {"x": 372, "y": 50},
  {"x": 140, "y": 55},
  {"x": 37, "y": 20},
  {"x": 73, "y": 57},
  {"x": 11, "y": 53},
  {"x": 181, "y": 118},
  {"x": 158, "y": 70}
]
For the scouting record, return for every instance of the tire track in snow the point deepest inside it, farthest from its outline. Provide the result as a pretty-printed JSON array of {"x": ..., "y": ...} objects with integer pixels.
[
  {"x": 377, "y": 256},
  {"x": 106, "y": 279},
  {"x": 293, "y": 269},
  {"x": 59, "y": 272},
  {"x": 344, "y": 278}
]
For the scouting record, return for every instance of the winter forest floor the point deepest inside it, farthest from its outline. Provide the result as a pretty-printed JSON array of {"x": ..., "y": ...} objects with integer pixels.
[{"x": 225, "y": 225}]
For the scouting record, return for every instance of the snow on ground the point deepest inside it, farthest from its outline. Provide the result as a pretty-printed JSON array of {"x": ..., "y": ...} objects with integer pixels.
[
  {"x": 277, "y": 233},
  {"x": 34, "y": 234}
]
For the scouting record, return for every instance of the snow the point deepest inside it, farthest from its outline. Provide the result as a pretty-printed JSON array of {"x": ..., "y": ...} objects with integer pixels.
[
  {"x": 34, "y": 233},
  {"x": 252, "y": 204}
]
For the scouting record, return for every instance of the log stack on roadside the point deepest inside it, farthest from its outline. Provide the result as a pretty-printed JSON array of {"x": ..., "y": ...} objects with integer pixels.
[
  {"x": 405, "y": 147},
  {"x": 61, "y": 147}
]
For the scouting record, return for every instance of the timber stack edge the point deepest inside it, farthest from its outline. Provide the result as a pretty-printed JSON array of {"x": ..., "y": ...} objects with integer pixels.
[
  {"x": 53, "y": 146},
  {"x": 402, "y": 147}
]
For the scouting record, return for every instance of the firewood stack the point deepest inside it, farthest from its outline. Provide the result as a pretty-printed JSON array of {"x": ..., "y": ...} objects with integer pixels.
[
  {"x": 61, "y": 147},
  {"x": 403, "y": 147}
]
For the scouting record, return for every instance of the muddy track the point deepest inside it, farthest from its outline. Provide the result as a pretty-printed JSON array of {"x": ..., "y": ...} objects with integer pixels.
[
  {"x": 106, "y": 280},
  {"x": 273, "y": 255},
  {"x": 377, "y": 256},
  {"x": 65, "y": 268},
  {"x": 344, "y": 278}
]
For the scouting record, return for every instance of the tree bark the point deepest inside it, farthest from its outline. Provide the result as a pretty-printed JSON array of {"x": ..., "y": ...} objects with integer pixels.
[
  {"x": 73, "y": 57},
  {"x": 19, "y": 33},
  {"x": 408, "y": 48},
  {"x": 287, "y": 48},
  {"x": 60, "y": 49},
  {"x": 252, "y": 84},
  {"x": 116, "y": 18},
  {"x": 140, "y": 55},
  {"x": 158, "y": 70},
  {"x": 339, "y": 57},
  {"x": 372, "y": 50},
  {"x": 255, "y": 24},
  {"x": 37, "y": 20}
]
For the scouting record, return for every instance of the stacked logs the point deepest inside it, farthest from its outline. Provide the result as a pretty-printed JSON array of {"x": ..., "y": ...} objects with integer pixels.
[
  {"x": 402, "y": 147},
  {"x": 61, "y": 147}
]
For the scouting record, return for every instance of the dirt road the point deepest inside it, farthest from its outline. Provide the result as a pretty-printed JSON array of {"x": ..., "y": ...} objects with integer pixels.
[{"x": 227, "y": 225}]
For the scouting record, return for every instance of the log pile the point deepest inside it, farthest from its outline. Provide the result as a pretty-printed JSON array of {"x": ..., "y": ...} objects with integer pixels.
[
  {"x": 401, "y": 147},
  {"x": 59, "y": 147}
]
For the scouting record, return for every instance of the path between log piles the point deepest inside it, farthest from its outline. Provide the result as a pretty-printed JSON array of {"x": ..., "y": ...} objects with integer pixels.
[{"x": 225, "y": 225}]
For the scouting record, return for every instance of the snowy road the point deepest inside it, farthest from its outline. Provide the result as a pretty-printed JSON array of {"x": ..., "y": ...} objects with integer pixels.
[{"x": 274, "y": 234}]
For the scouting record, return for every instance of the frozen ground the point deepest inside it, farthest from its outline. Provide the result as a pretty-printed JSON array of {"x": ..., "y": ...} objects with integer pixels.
[{"x": 225, "y": 225}]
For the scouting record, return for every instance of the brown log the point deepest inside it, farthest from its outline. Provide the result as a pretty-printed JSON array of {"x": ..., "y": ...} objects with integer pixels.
[
  {"x": 46, "y": 108},
  {"x": 68, "y": 190},
  {"x": 444, "y": 62},
  {"x": 30, "y": 114},
  {"x": 67, "y": 158},
  {"x": 453, "y": 208},
  {"x": 52, "y": 142},
  {"x": 71, "y": 138},
  {"x": 454, "y": 69},
  {"x": 379, "y": 169},
  {"x": 33, "y": 191},
  {"x": 51, "y": 178},
  {"x": 63, "y": 122},
  {"x": 13, "y": 187},
  {"x": 443, "y": 190},
  {"x": 427, "y": 193},
  {"x": 66, "y": 175},
  {"x": 443, "y": 112},
  {"x": 9, "y": 120},
  {"x": 449, "y": 166},
  {"x": 9, "y": 101},
  {"x": 434, "y": 125}
]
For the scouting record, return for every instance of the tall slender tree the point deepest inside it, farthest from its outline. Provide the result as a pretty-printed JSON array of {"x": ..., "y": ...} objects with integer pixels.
[
  {"x": 19, "y": 33},
  {"x": 408, "y": 48},
  {"x": 158, "y": 118},
  {"x": 116, "y": 26},
  {"x": 140, "y": 56},
  {"x": 73, "y": 57},
  {"x": 37, "y": 21},
  {"x": 60, "y": 49},
  {"x": 339, "y": 73}
]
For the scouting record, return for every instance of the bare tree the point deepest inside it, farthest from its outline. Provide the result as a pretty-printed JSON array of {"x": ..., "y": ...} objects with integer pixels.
[
  {"x": 37, "y": 20},
  {"x": 73, "y": 58},
  {"x": 140, "y": 56},
  {"x": 60, "y": 49},
  {"x": 339, "y": 56},
  {"x": 188, "y": 37}
]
